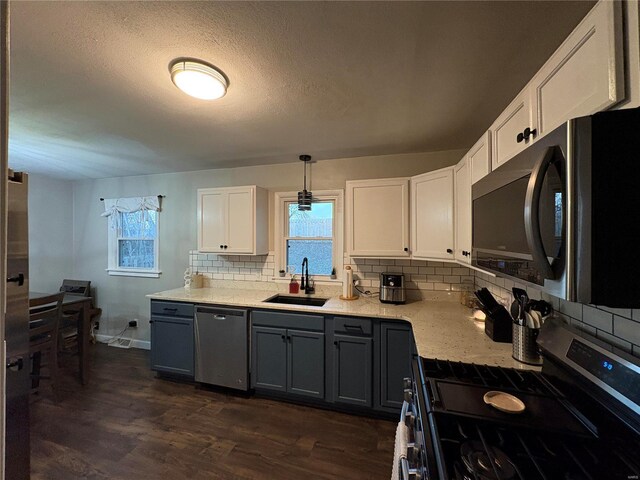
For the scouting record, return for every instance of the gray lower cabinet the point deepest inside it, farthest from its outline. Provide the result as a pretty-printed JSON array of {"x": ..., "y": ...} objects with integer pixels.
[
  {"x": 305, "y": 370},
  {"x": 287, "y": 360},
  {"x": 172, "y": 347},
  {"x": 269, "y": 358},
  {"x": 352, "y": 372},
  {"x": 396, "y": 351}
]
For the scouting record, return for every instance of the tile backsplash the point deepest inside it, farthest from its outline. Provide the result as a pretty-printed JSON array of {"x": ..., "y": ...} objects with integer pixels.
[
  {"x": 420, "y": 275},
  {"x": 616, "y": 326},
  {"x": 258, "y": 268}
]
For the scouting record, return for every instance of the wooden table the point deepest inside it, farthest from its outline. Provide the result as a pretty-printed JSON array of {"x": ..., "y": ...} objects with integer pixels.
[{"x": 81, "y": 304}]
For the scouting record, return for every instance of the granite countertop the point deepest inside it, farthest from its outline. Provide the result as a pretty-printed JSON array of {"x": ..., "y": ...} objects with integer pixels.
[{"x": 442, "y": 327}]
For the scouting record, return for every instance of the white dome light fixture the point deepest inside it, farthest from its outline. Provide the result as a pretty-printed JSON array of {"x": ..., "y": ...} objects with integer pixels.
[{"x": 198, "y": 79}]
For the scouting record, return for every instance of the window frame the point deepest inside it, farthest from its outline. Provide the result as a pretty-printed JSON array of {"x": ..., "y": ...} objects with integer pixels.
[
  {"x": 113, "y": 253},
  {"x": 281, "y": 231}
]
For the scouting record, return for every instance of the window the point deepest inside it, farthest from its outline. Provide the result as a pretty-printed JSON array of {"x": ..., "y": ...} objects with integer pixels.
[
  {"x": 315, "y": 234},
  {"x": 133, "y": 237}
]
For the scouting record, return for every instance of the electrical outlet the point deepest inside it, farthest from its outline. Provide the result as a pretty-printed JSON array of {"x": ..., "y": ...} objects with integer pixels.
[{"x": 133, "y": 323}]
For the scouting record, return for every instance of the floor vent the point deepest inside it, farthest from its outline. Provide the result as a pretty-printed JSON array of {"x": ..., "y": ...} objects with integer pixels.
[{"x": 121, "y": 343}]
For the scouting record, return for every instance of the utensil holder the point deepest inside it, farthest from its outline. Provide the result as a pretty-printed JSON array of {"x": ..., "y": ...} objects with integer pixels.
[{"x": 525, "y": 348}]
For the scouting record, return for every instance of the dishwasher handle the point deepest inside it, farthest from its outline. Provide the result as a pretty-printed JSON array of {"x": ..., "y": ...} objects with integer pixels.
[{"x": 221, "y": 313}]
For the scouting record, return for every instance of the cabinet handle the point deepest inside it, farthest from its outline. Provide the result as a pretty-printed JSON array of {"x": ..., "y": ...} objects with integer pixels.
[
  {"x": 449, "y": 250},
  {"x": 150, "y": 321},
  {"x": 19, "y": 279},
  {"x": 15, "y": 364},
  {"x": 529, "y": 133},
  {"x": 353, "y": 327}
]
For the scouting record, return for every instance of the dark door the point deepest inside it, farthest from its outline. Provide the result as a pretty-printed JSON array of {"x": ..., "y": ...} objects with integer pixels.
[
  {"x": 352, "y": 360},
  {"x": 172, "y": 345},
  {"x": 395, "y": 362},
  {"x": 306, "y": 363},
  {"x": 269, "y": 358}
]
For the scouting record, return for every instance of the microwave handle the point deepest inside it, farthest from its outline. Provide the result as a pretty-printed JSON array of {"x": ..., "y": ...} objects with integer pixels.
[{"x": 532, "y": 213}]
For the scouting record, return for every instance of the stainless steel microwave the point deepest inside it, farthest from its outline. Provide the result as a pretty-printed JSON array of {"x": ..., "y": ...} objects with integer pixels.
[{"x": 564, "y": 214}]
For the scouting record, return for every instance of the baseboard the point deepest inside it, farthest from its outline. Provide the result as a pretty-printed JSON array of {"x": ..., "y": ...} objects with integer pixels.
[{"x": 141, "y": 344}]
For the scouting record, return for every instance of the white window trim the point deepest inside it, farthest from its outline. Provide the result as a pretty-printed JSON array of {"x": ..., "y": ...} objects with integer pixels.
[
  {"x": 112, "y": 245},
  {"x": 279, "y": 232}
]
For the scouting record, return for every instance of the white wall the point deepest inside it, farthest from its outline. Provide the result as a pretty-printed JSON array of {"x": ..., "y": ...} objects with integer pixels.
[
  {"x": 50, "y": 233},
  {"x": 123, "y": 298}
]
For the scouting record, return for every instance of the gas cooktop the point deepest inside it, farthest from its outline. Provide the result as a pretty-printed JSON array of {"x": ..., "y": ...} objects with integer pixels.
[{"x": 578, "y": 419}]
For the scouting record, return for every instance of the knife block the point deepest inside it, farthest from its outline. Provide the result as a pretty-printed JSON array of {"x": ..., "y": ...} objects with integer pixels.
[{"x": 498, "y": 325}]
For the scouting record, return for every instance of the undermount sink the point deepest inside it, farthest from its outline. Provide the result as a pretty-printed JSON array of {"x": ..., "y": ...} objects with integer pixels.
[{"x": 288, "y": 300}]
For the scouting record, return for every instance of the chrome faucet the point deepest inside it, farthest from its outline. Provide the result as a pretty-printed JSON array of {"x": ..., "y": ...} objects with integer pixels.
[{"x": 305, "y": 283}]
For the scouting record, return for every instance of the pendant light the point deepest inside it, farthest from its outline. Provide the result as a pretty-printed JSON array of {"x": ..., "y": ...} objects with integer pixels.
[{"x": 304, "y": 197}]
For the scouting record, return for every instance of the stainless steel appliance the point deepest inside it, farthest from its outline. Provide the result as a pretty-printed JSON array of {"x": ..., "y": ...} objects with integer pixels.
[
  {"x": 17, "y": 331},
  {"x": 581, "y": 417},
  {"x": 392, "y": 288},
  {"x": 222, "y": 350},
  {"x": 559, "y": 214}
]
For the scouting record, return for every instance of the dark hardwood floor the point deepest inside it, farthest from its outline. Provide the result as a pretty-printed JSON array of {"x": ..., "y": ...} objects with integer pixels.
[{"x": 126, "y": 424}]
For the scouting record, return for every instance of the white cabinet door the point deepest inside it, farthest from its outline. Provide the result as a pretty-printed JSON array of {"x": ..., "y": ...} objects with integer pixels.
[
  {"x": 506, "y": 130},
  {"x": 233, "y": 220},
  {"x": 586, "y": 74},
  {"x": 241, "y": 221},
  {"x": 480, "y": 158},
  {"x": 378, "y": 218},
  {"x": 463, "y": 211},
  {"x": 432, "y": 215},
  {"x": 212, "y": 213}
]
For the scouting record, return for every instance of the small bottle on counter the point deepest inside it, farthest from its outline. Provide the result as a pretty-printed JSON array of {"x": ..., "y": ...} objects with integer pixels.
[{"x": 294, "y": 286}]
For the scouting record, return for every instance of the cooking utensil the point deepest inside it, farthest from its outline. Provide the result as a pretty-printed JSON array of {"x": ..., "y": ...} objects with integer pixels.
[
  {"x": 523, "y": 300},
  {"x": 504, "y": 402}
]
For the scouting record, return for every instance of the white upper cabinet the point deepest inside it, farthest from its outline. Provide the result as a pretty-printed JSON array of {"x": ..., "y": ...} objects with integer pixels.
[
  {"x": 432, "y": 215},
  {"x": 377, "y": 218},
  {"x": 514, "y": 129},
  {"x": 480, "y": 158},
  {"x": 463, "y": 211},
  {"x": 233, "y": 220},
  {"x": 586, "y": 74}
]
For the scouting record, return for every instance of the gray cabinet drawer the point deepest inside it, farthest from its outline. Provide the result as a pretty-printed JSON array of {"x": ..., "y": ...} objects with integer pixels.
[
  {"x": 172, "y": 309},
  {"x": 297, "y": 321},
  {"x": 353, "y": 326}
]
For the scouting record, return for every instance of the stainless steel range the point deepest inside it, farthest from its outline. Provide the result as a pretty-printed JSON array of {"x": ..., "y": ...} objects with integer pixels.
[{"x": 581, "y": 417}]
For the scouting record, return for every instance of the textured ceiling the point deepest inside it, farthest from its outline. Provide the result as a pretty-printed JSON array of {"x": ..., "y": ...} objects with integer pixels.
[{"x": 91, "y": 95}]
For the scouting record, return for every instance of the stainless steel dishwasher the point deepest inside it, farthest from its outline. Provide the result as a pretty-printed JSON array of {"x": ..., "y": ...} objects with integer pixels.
[{"x": 222, "y": 352}]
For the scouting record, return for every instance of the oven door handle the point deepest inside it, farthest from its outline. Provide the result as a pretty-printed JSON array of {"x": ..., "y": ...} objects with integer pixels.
[{"x": 532, "y": 213}]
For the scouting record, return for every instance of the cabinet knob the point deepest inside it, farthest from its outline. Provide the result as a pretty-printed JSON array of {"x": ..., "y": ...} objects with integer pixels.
[
  {"x": 520, "y": 137},
  {"x": 283, "y": 337},
  {"x": 225, "y": 247},
  {"x": 449, "y": 250},
  {"x": 465, "y": 253},
  {"x": 19, "y": 279},
  {"x": 221, "y": 246},
  {"x": 406, "y": 249},
  {"x": 335, "y": 342}
]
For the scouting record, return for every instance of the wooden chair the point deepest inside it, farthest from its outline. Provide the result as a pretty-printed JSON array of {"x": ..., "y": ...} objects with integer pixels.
[
  {"x": 44, "y": 318},
  {"x": 69, "y": 327}
]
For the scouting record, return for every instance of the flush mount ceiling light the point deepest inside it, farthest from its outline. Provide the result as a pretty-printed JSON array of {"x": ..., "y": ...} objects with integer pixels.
[
  {"x": 198, "y": 79},
  {"x": 305, "y": 197}
]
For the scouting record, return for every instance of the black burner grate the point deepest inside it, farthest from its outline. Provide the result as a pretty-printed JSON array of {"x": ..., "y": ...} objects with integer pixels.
[{"x": 473, "y": 449}]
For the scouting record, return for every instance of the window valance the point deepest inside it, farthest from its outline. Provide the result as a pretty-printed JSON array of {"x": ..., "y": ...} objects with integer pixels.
[{"x": 112, "y": 206}]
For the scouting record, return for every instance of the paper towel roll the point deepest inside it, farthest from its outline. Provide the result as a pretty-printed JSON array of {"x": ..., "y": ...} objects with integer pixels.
[{"x": 347, "y": 282}]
